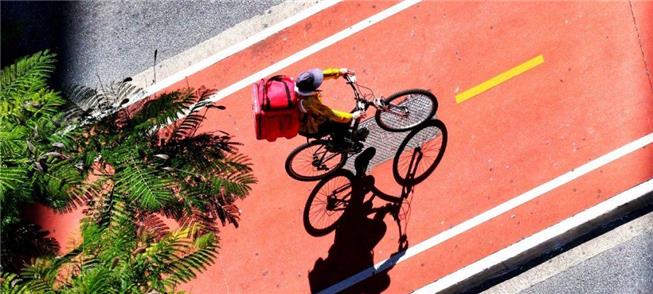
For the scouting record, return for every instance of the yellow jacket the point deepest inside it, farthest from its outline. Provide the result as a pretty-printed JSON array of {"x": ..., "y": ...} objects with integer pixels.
[{"x": 316, "y": 112}]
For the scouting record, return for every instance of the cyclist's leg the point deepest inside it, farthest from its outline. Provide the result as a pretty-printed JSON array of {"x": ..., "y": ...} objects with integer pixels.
[{"x": 338, "y": 132}]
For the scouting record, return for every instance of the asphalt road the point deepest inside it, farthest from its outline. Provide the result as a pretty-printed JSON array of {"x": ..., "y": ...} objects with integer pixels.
[
  {"x": 111, "y": 40},
  {"x": 627, "y": 268}
]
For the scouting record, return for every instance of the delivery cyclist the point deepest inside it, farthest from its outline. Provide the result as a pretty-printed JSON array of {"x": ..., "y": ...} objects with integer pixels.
[{"x": 317, "y": 119}]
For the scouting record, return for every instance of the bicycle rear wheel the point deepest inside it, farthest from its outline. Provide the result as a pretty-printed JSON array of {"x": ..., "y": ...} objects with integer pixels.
[
  {"x": 313, "y": 160},
  {"x": 327, "y": 203},
  {"x": 420, "y": 153},
  {"x": 406, "y": 110}
]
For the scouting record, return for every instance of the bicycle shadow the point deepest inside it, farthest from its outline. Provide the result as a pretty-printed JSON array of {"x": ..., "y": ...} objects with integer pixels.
[{"x": 362, "y": 225}]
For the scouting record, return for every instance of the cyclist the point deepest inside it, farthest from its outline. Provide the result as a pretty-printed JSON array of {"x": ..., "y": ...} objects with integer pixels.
[{"x": 318, "y": 119}]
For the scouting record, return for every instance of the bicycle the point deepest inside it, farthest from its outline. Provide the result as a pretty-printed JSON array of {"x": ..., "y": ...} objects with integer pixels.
[
  {"x": 417, "y": 157},
  {"x": 399, "y": 112}
]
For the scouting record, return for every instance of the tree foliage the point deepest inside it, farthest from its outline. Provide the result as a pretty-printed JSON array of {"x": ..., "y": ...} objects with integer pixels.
[
  {"x": 33, "y": 167},
  {"x": 152, "y": 187}
]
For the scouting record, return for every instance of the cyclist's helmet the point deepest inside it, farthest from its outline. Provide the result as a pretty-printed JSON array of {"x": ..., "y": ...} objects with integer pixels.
[{"x": 308, "y": 82}]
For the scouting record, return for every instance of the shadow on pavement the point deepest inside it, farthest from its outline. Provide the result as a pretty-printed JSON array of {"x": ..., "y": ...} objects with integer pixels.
[{"x": 344, "y": 202}]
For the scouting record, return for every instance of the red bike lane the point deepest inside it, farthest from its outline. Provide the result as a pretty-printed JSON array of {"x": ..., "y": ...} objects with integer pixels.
[
  {"x": 590, "y": 96},
  {"x": 516, "y": 136}
]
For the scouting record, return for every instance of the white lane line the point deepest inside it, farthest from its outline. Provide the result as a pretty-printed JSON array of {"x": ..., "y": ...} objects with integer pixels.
[
  {"x": 492, "y": 213},
  {"x": 538, "y": 238},
  {"x": 313, "y": 49},
  {"x": 262, "y": 35}
]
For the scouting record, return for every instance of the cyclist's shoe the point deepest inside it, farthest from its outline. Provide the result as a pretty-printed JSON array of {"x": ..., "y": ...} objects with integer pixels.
[
  {"x": 358, "y": 146},
  {"x": 361, "y": 134},
  {"x": 340, "y": 147}
]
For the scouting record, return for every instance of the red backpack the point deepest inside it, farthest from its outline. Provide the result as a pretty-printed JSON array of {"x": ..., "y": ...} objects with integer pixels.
[{"x": 276, "y": 111}]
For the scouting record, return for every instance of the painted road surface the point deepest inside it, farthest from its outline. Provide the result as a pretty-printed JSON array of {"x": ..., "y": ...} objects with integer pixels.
[{"x": 523, "y": 154}]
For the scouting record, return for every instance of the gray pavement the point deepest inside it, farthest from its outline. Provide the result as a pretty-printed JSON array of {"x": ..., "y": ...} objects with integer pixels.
[
  {"x": 626, "y": 268},
  {"x": 115, "y": 39},
  {"x": 617, "y": 260}
]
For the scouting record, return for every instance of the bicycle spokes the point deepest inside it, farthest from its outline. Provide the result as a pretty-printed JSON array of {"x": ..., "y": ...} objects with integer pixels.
[
  {"x": 420, "y": 153},
  {"x": 313, "y": 161},
  {"x": 326, "y": 204},
  {"x": 322, "y": 157},
  {"x": 399, "y": 110},
  {"x": 406, "y": 110}
]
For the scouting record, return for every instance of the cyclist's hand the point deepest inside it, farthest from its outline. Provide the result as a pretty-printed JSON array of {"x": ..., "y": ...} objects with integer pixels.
[
  {"x": 346, "y": 71},
  {"x": 358, "y": 114}
]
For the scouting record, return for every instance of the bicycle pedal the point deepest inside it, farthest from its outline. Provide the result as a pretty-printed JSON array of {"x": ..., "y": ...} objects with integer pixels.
[{"x": 358, "y": 146}]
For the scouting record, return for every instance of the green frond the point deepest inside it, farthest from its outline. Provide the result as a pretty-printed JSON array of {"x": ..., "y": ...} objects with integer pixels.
[
  {"x": 11, "y": 178},
  {"x": 144, "y": 186},
  {"x": 28, "y": 74},
  {"x": 12, "y": 284},
  {"x": 163, "y": 110},
  {"x": 122, "y": 228},
  {"x": 186, "y": 267},
  {"x": 40, "y": 275},
  {"x": 95, "y": 280},
  {"x": 55, "y": 186},
  {"x": 12, "y": 142},
  {"x": 84, "y": 192},
  {"x": 170, "y": 248},
  {"x": 44, "y": 103},
  {"x": 98, "y": 199},
  {"x": 189, "y": 124},
  {"x": 92, "y": 237},
  {"x": 203, "y": 153}
]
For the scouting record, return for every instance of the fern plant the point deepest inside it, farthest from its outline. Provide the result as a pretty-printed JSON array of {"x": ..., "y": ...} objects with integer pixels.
[
  {"x": 33, "y": 156},
  {"x": 152, "y": 188}
]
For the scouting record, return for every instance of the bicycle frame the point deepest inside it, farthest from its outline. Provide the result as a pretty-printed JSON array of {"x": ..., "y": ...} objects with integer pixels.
[{"x": 362, "y": 104}]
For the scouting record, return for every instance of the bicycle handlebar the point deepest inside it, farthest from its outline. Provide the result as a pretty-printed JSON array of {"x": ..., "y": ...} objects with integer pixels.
[{"x": 361, "y": 102}]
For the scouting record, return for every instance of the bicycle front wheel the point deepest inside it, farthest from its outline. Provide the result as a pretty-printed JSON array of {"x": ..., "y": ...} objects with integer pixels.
[
  {"x": 327, "y": 203},
  {"x": 420, "y": 153},
  {"x": 406, "y": 110},
  {"x": 313, "y": 160}
]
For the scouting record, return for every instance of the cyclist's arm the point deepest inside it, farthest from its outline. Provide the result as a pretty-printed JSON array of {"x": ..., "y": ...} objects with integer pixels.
[
  {"x": 332, "y": 114},
  {"x": 332, "y": 73}
]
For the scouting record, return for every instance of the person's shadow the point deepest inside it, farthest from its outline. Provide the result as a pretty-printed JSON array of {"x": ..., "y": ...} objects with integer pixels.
[{"x": 361, "y": 225}]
